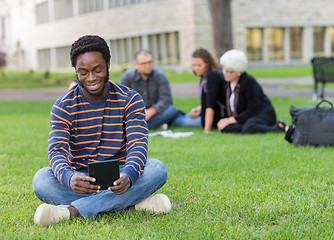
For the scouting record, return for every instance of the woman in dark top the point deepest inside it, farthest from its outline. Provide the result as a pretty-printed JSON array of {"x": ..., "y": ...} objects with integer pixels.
[
  {"x": 249, "y": 110},
  {"x": 211, "y": 92}
]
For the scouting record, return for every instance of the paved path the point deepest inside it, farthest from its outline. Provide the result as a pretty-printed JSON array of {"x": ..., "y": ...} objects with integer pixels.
[
  {"x": 273, "y": 87},
  {"x": 38, "y": 94}
]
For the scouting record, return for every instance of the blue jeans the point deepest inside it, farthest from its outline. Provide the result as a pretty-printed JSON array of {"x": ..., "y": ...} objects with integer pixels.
[
  {"x": 167, "y": 116},
  {"x": 187, "y": 121},
  {"x": 49, "y": 190}
]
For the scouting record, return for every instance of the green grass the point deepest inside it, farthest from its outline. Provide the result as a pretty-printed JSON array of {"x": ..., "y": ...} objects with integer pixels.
[
  {"x": 278, "y": 72},
  {"x": 282, "y": 72},
  {"x": 31, "y": 80},
  {"x": 221, "y": 186}
]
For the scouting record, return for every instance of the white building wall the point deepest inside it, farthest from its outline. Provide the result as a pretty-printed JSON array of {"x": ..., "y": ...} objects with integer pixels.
[
  {"x": 203, "y": 36},
  {"x": 4, "y": 27},
  {"x": 189, "y": 18},
  {"x": 21, "y": 50}
]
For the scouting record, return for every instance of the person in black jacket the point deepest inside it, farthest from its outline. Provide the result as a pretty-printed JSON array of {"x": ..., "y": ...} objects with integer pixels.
[
  {"x": 248, "y": 109},
  {"x": 210, "y": 90}
]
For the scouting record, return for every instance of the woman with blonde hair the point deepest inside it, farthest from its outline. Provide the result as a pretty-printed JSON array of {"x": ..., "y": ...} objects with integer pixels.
[{"x": 249, "y": 110}]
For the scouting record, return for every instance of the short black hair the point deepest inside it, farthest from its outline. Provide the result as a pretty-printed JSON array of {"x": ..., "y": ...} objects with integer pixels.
[{"x": 89, "y": 43}]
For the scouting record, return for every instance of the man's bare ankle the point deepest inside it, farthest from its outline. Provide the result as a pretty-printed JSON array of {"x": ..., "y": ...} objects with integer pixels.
[
  {"x": 131, "y": 208},
  {"x": 73, "y": 212}
]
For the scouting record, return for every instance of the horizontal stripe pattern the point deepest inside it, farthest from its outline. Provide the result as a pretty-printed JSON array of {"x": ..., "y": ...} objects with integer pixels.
[{"x": 83, "y": 131}]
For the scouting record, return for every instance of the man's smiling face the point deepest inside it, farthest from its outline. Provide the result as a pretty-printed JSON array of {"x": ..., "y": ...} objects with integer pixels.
[{"x": 92, "y": 75}]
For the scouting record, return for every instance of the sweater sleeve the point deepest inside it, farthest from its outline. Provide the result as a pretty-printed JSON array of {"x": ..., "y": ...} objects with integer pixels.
[
  {"x": 137, "y": 137},
  {"x": 214, "y": 85},
  {"x": 59, "y": 144},
  {"x": 251, "y": 95}
]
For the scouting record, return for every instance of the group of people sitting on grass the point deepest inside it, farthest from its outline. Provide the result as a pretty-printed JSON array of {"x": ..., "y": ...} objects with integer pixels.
[
  {"x": 98, "y": 120},
  {"x": 232, "y": 101}
]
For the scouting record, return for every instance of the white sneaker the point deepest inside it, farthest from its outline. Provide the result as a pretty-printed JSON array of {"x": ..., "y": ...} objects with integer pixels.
[
  {"x": 164, "y": 127},
  {"x": 47, "y": 214},
  {"x": 158, "y": 203}
]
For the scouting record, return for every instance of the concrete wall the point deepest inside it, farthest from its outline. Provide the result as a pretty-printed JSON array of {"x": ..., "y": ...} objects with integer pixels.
[
  {"x": 188, "y": 17},
  {"x": 283, "y": 13}
]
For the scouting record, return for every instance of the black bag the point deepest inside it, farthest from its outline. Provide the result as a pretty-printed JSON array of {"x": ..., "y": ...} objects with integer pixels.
[{"x": 312, "y": 126}]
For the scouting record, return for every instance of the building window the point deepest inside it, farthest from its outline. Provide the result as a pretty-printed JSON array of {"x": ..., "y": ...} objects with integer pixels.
[
  {"x": 173, "y": 48},
  {"x": 296, "y": 43},
  {"x": 44, "y": 59},
  {"x": 254, "y": 39},
  {"x": 331, "y": 33},
  {"x": 117, "y": 51},
  {"x": 63, "y": 9},
  {"x": 164, "y": 47},
  {"x": 86, "y": 6},
  {"x": 120, "y": 3},
  {"x": 318, "y": 41},
  {"x": 63, "y": 57},
  {"x": 275, "y": 43},
  {"x": 113, "y": 50},
  {"x": 42, "y": 12},
  {"x": 153, "y": 43},
  {"x": 115, "y": 3}
]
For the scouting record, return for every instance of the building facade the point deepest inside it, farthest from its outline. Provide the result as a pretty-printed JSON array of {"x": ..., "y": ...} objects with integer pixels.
[
  {"x": 4, "y": 32},
  {"x": 283, "y": 32},
  {"x": 270, "y": 32}
]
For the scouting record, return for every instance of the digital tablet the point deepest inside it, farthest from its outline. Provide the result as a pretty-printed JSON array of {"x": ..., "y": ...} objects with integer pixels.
[{"x": 105, "y": 172}]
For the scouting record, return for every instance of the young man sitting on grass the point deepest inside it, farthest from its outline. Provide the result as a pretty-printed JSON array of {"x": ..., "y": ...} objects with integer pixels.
[{"x": 97, "y": 120}]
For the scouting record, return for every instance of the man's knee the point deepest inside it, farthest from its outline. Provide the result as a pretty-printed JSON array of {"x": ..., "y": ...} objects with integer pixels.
[
  {"x": 172, "y": 110},
  {"x": 39, "y": 183},
  {"x": 158, "y": 167},
  {"x": 170, "y": 113}
]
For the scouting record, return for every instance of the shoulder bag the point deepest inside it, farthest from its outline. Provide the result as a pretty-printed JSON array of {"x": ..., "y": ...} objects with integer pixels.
[{"x": 312, "y": 126}]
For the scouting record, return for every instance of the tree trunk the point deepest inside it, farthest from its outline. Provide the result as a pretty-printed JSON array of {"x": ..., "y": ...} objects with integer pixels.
[{"x": 222, "y": 26}]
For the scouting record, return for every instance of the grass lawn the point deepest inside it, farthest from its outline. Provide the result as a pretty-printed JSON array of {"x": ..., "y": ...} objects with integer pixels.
[
  {"x": 221, "y": 186},
  {"x": 34, "y": 80},
  {"x": 282, "y": 72}
]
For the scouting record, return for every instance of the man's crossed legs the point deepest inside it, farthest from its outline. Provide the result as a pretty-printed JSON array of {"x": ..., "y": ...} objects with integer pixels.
[{"x": 58, "y": 197}]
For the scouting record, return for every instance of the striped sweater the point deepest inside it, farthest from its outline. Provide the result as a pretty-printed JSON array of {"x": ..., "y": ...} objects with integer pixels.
[{"x": 84, "y": 131}]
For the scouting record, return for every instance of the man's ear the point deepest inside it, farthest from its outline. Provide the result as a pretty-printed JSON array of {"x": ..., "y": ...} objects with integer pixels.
[{"x": 108, "y": 64}]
